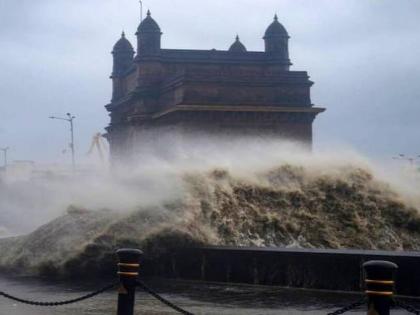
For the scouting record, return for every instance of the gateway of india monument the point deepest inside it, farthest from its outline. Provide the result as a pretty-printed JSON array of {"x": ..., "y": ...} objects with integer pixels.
[{"x": 216, "y": 92}]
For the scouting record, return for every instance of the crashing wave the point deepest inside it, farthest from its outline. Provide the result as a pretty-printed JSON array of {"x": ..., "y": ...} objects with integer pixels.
[{"x": 288, "y": 206}]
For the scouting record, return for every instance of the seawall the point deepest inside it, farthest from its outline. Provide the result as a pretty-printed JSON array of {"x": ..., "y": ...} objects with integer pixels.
[{"x": 301, "y": 268}]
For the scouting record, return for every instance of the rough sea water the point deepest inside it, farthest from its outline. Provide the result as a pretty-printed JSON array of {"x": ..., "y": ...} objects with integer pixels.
[
  {"x": 254, "y": 194},
  {"x": 299, "y": 199}
]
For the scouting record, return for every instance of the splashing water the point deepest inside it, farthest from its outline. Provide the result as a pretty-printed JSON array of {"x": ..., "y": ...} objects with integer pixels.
[{"x": 250, "y": 192}]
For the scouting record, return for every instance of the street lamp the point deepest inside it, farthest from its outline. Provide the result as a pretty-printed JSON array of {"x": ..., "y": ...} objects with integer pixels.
[
  {"x": 5, "y": 155},
  {"x": 70, "y": 119},
  {"x": 410, "y": 159}
]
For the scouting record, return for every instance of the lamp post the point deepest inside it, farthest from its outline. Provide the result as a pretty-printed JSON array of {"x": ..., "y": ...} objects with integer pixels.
[
  {"x": 5, "y": 156},
  {"x": 410, "y": 159},
  {"x": 70, "y": 119}
]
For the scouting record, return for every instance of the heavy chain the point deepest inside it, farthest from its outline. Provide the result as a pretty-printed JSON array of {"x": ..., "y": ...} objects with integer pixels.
[
  {"x": 407, "y": 307},
  {"x": 349, "y": 307},
  {"x": 162, "y": 299},
  {"x": 58, "y": 303}
]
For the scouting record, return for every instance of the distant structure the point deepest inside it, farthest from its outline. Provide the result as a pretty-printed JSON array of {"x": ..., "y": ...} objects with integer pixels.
[{"x": 233, "y": 91}]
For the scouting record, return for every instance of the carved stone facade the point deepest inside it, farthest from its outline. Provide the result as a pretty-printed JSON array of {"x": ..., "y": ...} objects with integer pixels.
[{"x": 232, "y": 92}]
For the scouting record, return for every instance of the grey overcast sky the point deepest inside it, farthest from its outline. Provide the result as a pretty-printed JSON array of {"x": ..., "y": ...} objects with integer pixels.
[{"x": 363, "y": 56}]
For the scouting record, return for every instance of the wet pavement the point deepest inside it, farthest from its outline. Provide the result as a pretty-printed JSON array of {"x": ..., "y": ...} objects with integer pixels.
[{"x": 198, "y": 298}]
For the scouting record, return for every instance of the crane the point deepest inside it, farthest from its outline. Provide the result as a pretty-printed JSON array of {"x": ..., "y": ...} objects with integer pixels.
[{"x": 98, "y": 144}]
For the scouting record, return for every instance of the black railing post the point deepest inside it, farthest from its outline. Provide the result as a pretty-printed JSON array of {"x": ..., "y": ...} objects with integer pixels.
[
  {"x": 128, "y": 271},
  {"x": 379, "y": 286}
]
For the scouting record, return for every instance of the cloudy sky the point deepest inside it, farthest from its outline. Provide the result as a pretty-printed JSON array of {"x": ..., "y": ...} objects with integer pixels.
[{"x": 363, "y": 56}]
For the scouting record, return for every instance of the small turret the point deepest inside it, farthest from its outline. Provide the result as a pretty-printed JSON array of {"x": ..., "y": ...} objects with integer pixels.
[
  {"x": 148, "y": 36},
  {"x": 277, "y": 40},
  {"x": 123, "y": 54},
  {"x": 237, "y": 46}
]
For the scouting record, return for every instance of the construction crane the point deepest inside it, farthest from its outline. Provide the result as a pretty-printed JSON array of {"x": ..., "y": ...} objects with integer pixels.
[{"x": 98, "y": 143}]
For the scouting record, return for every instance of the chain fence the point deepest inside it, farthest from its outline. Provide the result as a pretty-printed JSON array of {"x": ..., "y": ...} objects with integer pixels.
[
  {"x": 397, "y": 303},
  {"x": 161, "y": 298},
  {"x": 58, "y": 303},
  {"x": 349, "y": 307},
  {"x": 409, "y": 308},
  {"x": 139, "y": 283}
]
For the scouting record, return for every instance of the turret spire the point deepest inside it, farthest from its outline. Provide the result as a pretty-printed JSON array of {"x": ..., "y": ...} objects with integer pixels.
[
  {"x": 148, "y": 36},
  {"x": 237, "y": 46},
  {"x": 123, "y": 54},
  {"x": 276, "y": 41}
]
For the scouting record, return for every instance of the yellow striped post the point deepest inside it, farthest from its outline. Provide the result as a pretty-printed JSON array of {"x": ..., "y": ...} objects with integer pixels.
[
  {"x": 128, "y": 271},
  {"x": 379, "y": 286}
]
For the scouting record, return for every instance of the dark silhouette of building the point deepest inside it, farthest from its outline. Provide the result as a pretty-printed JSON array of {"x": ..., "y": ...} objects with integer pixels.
[{"x": 212, "y": 91}]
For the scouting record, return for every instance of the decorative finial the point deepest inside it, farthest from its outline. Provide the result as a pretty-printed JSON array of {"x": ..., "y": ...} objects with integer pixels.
[
  {"x": 123, "y": 34},
  {"x": 275, "y": 17},
  {"x": 237, "y": 38},
  {"x": 148, "y": 13}
]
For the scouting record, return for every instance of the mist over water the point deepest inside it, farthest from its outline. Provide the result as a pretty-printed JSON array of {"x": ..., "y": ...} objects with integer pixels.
[
  {"x": 156, "y": 176},
  {"x": 201, "y": 190}
]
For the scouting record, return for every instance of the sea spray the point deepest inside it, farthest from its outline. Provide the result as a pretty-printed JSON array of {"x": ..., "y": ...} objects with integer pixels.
[{"x": 284, "y": 197}]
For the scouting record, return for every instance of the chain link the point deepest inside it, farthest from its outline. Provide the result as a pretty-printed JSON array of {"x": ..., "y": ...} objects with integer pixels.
[
  {"x": 407, "y": 307},
  {"x": 348, "y": 307},
  {"x": 162, "y": 299},
  {"x": 58, "y": 303}
]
